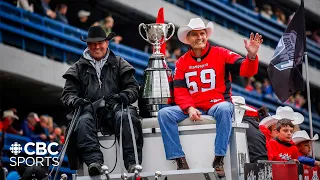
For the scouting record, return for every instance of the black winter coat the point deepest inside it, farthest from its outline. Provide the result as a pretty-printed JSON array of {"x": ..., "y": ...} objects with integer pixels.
[
  {"x": 117, "y": 75},
  {"x": 256, "y": 140}
]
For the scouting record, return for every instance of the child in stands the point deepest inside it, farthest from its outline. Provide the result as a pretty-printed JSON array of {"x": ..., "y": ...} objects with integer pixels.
[
  {"x": 303, "y": 143},
  {"x": 282, "y": 148}
]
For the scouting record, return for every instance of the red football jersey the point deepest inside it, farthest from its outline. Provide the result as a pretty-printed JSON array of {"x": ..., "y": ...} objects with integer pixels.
[
  {"x": 203, "y": 82},
  {"x": 279, "y": 151}
]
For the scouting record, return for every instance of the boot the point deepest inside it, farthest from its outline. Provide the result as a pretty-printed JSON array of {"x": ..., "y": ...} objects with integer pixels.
[
  {"x": 94, "y": 169},
  {"x": 218, "y": 166},
  {"x": 182, "y": 163},
  {"x": 131, "y": 168}
]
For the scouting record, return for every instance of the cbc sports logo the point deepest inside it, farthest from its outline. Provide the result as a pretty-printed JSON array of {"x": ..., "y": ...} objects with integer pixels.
[{"x": 40, "y": 150}]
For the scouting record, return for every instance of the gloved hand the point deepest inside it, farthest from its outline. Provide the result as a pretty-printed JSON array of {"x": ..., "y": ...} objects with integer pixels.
[
  {"x": 110, "y": 101},
  {"x": 122, "y": 98},
  {"x": 80, "y": 102}
]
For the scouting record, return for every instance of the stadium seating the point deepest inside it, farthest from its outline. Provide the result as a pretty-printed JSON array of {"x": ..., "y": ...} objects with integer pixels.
[
  {"x": 244, "y": 21},
  {"x": 26, "y": 30},
  {"x": 46, "y": 37}
]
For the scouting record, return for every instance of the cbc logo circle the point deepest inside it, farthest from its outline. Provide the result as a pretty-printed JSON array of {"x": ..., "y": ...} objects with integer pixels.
[{"x": 15, "y": 148}]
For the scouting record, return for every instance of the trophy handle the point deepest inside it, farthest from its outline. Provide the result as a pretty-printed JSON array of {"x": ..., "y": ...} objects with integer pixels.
[
  {"x": 144, "y": 27},
  {"x": 172, "y": 33}
]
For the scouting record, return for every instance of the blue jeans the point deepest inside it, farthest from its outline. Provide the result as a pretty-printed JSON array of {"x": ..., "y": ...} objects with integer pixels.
[{"x": 169, "y": 117}]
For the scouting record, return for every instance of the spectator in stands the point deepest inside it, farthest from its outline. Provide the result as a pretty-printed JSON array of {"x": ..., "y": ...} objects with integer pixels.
[
  {"x": 47, "y": 10},
  {"x": 291, "y": 101},
  {"x": 51, "y": 125},
  {"x": 299, "y": 100},
  {"x": 279, "y": 16},
  {"x": 42, "y": 128},
  {"x": 198, "y": 97},
  {"x": 258, "y": 87},
  {"x": 16, "y": 124},
  {"x": 282, "y": 148},
  {"x": 316, "y": 35},
  {"x": 6, "y": 124},
  {"x": 25, "y": 5},
  {"x": 304, "y": 143},
  {"x": 29, "y": 127},
  {"x": 255, "y": 138},
  {"x": 61, "y": 11},
  {"x": 249, "y": 86},
  {"x": 83, "y": 19},
  {"x": 58, "y": 137},
  {"x": 103, "y": 76},
  {"x": 107, "y": 24},
  {"x": 266, "y": 11},
  {"x": 267, "y": 88}
]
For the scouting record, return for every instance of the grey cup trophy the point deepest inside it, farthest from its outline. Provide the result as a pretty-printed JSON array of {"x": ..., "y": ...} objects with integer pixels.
[{"x": 158, "y": 76}]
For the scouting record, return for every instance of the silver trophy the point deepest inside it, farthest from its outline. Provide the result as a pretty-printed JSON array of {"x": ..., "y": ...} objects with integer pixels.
[{"x": 158, "y": 75}]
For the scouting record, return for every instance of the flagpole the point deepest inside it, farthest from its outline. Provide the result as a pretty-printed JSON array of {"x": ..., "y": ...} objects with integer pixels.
[{"x": 309, "y": 100}]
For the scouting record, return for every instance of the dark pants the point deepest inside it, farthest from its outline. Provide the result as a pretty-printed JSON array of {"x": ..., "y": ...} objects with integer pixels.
[{"x": 88, "y": 149}]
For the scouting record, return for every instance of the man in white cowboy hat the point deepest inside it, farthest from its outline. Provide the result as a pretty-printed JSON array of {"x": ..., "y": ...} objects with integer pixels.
[
  {"x": 268, "y": 124},
  {"x": 202, "y": 86},
  {"x": 303, "y": 143}
]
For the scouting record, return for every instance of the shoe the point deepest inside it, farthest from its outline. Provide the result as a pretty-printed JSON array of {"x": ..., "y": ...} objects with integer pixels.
[
  {"x": 218, "y": 166},
  {"x": 94, "y": 169},
  {"x": 131, "y": 168},
  {"x": 182, "y": 163}
]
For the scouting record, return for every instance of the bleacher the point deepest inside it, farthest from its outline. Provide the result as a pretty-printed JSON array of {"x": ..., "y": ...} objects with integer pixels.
[
  {"x": 244, "y": 21},
  {"x": 58, "y": 41}
]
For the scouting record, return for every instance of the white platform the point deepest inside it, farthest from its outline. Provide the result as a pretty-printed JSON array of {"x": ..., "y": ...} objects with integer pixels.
[{"x": 197, "y": 139}]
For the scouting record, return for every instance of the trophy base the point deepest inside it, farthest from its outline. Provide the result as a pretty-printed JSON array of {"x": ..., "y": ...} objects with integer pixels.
[{"x": 153, "y": 109}]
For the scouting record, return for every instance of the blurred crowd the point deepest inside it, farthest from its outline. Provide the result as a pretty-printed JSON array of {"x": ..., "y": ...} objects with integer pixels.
[
  {"x": 297, "y": 100},
  {"x": 37, "y": 128},
  {"x": 60, "y": 12},
  {"x": 277, "y": 14}
]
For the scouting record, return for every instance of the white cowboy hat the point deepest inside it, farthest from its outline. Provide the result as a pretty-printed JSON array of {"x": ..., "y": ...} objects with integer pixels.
[
  {"x": 283, "y": 112},
  {"x": 194, "y": 24},
  {"x": 241, "y": 102},
  {"x": 301, "y": 136},
  {"x": 9, "y": 113}
]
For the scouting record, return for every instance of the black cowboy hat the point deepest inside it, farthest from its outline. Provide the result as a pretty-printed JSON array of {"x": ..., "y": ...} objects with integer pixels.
[{"x": 96, "y": 34}]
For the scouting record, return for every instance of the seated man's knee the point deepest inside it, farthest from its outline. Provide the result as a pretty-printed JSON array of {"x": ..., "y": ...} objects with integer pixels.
[
  {"x": 164, "y": 111},
  {"x": 85, "y": 120},
  {"x": 225, "y": 107}
]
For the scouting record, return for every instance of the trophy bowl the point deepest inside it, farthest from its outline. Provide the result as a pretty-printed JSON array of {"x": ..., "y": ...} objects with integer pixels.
[{"x": 156, "y": 34}]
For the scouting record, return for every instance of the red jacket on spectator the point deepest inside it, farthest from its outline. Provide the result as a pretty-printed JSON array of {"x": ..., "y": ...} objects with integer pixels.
[
  {"x": 5, "y": 126},
  {"x": 282, "y": 151},
  {"x": 266, "y": 133}
]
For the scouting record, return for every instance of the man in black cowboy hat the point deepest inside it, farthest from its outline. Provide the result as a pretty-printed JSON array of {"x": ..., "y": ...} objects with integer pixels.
[{"x": 99, "y": 74}]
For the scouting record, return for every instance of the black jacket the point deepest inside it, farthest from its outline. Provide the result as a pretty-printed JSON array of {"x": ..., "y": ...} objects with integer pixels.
[
  {"x": 117, "y": 75},
  {"x": 256, "y": 140}
]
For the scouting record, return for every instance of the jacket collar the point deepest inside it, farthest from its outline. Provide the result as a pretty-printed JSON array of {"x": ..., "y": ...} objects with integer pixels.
[
  {"x": 288, "y": 144},
  {"x": 204, "y": 53},
  {"x": 111, "y": 60}
]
